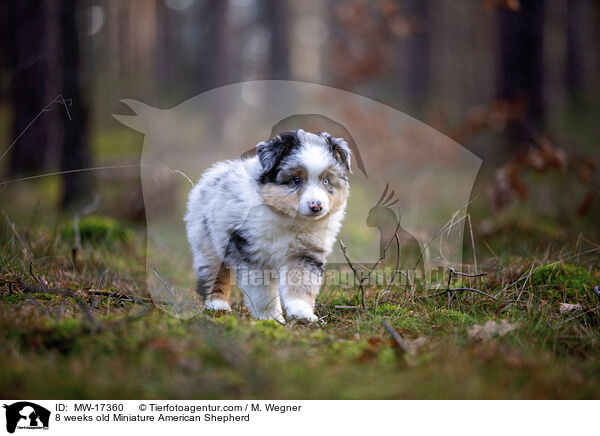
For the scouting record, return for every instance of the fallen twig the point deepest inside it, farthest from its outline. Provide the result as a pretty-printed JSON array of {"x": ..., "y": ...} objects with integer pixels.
[
  {"x": 360, "y": 279},
  {"x": 45, "y": 289},
  {"x": 472, "y": 242},
  {"x": 169, "y": 288},
  {"x": 119, "y": 296},
  {"x": 395, "y": 336},
  {"x": 96, "y": 326},
  {"x": 128, "y": 318},
  {"x": 452, "y": 290},
  {"x": 459, "y": 273}
]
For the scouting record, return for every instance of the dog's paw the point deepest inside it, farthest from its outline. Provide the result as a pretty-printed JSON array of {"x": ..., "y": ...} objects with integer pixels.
[
  {"x": 279, "y": 318},
  {"x": 218, "y": 305},
  {"x": 276, "y": 316},
  {"x": 301, "y": 311}
]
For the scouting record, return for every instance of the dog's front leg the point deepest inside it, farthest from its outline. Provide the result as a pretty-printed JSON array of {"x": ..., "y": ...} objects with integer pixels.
[
  {"x": 299, "y": 284},
  {"x": 260, "y": 295}
]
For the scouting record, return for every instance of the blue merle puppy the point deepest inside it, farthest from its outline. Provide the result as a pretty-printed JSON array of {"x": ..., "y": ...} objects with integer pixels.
[{"x": 273, "y": 219}]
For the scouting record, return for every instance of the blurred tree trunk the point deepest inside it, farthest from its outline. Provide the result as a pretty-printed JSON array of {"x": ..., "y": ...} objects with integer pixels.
[
  {"x": 418, "y": 60},
  {"x": 574, "y": 64},
  {"x": 216, "y": 61},
  {"x": 596, "y": 37},
  {"x": 7, "y": 41},
  {"x": 29, "y": 93},
  {"x": 216, "y": 39},
  {"x": 276, "y": 20},
  {"x": 520, "y": 69},
  {"x": 164, "y": 60},
  {"x": 46, "y": 63},
  {"x": 75, "y": 153}
]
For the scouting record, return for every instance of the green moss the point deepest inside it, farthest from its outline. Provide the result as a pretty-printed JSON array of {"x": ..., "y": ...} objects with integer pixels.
[
  {"x": 66, "y": 328},
  {"x": 18, "y": 297},
  {"x": 343, "y": 299},
  {"x": 562, "y": 281},
  {"x": 388, "y": 309},
  {"x": 388, "y": 356},
  {"x": 317, "y": 335},
  {"x": 228, "y": 321},
  {"x": 13, "y": 298},
  {"x": 271, "y": 330},
  {"x": 347, "y": 350},
  {"x": 96, "y": 228}
]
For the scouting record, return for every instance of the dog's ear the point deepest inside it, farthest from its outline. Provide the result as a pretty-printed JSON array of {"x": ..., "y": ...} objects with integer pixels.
[
  {"x": 340, "y": 150},
  {"x": 269, "y": 153},
  {"x": 273, "y": 151}
]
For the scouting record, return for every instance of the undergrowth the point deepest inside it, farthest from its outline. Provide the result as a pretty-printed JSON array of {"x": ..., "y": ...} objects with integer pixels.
[{"x": 126, "y": 348}]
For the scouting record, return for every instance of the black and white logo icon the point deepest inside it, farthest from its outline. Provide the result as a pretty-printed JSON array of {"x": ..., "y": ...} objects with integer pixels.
[{"x": 26, "y": 415}]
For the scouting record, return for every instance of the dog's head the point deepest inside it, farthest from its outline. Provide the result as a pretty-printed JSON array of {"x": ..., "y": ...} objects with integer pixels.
[{"x": 304, "y": 174}]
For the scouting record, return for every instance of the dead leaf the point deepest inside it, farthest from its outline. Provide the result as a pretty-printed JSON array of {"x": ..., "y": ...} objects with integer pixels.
[
  {"x": 371, "y": 350},
  {"x": 566, "y": 308},
  {"x": 490, "y": 329}
]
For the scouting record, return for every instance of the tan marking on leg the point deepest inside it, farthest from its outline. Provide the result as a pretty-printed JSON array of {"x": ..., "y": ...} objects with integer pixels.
[{"x": 222, "y": 286}]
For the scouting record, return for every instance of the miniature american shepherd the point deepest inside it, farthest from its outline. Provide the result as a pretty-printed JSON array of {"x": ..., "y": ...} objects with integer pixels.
[{"x": 272, "y": 219}]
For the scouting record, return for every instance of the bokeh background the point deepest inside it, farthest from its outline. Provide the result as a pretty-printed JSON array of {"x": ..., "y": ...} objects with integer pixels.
[{"x": 516, "y": 82}]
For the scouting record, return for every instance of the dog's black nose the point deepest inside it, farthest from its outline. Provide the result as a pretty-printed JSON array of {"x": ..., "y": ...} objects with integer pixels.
[{"x": 315, "y": 206}]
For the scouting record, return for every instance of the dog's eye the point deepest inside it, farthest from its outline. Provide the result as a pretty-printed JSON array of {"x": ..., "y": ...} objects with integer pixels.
[
  {"x": 326, "y": 181},
  {"x": 296, "y": 181}
]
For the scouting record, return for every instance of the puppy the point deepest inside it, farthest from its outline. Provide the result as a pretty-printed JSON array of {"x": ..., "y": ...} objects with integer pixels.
[{"x": 273, "y": 219}]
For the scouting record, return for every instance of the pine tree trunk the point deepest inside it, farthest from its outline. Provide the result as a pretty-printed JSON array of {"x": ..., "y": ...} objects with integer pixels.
[
  {"x": 76, "y": 153},
  {"x": 29, "y": 94},
  {"x": 520, "y": 69}
]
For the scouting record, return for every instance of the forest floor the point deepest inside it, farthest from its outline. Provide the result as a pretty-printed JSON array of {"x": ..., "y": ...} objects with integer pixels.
[{"x": 79, "y": 324}]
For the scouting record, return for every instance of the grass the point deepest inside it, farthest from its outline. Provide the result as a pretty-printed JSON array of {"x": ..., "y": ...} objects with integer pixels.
[
  {"x": 128, "y": 349},
  {"x": 565, "y": 282}
]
